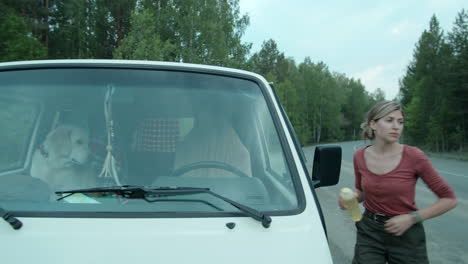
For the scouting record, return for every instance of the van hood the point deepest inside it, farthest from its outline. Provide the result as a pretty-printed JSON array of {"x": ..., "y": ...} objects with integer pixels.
[{"x": 290, "y": 239}]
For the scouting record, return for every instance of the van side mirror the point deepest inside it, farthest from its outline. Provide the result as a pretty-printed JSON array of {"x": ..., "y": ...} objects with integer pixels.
[{"x": 327, "y": 166}]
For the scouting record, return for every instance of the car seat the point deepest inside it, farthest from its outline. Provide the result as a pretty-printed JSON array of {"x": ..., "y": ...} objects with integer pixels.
[
  {"x": 212, "y": 139},
  {"x": 152, "y": 149}
]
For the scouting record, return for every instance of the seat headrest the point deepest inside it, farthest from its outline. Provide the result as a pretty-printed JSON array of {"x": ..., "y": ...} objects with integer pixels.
[{"x": 156, "y": 135}]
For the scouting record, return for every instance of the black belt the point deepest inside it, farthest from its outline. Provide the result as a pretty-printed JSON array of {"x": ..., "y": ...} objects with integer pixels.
[{"x": 378, "y": 218}]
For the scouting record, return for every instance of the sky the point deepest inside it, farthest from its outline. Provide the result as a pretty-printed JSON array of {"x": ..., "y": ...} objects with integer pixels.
[{"x": 370, "y": 40}]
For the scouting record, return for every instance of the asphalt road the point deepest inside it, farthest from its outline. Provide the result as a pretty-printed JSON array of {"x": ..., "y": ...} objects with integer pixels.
[{"x": 447, "y": 235}]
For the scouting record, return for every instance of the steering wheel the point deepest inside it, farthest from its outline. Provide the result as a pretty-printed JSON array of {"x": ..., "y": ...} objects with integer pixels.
[{"x": 208, "y": 165}]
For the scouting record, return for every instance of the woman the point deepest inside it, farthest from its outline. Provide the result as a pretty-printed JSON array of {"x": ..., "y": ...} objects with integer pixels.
[{"x": 386, "y": 173}]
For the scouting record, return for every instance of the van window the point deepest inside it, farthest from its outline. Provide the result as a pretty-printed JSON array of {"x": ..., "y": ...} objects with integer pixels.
[
  {"x": 159, "y": 129},
  {"x": 17, "y": 118}
]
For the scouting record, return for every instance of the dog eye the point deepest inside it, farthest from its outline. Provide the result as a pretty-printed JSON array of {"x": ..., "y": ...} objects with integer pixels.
[{"x": 79, "y": 142}]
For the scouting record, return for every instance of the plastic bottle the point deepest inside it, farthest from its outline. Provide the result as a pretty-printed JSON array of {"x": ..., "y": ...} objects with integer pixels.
[{"x": 351, "y": 203}]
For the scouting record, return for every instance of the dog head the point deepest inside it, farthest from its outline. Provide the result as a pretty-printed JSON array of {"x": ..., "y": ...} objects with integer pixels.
[{"x": 66, "y": 146}]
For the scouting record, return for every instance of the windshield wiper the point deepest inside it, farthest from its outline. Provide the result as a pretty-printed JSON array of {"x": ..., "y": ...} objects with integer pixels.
[
  {"x": 143, "y": 192},
  {"x": 13, "y": 221}
]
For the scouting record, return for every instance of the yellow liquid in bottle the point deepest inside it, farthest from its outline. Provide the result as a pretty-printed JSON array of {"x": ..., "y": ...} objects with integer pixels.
[
  {"x": 352, "y": 204},
  {"x": 353, "y": 209}
]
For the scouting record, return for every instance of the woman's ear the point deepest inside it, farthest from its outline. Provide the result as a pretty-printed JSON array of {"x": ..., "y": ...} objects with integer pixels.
[{"x": 372, "y": 124}]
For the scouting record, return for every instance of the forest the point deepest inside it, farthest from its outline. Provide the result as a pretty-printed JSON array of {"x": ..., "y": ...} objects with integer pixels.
[{"x": 323, "y": 105}]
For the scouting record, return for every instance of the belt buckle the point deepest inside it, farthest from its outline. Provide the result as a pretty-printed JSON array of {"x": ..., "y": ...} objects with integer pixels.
[{"x": 376, "y": 218}]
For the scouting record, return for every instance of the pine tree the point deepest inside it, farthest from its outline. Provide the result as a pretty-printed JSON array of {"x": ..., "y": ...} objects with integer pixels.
[
  {"x": 458, "y": 41},
  {"x": 423, "y": 87}
]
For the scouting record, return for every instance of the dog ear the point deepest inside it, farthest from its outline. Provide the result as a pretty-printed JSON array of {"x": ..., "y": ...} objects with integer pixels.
[{"x": 59, "y": 141}]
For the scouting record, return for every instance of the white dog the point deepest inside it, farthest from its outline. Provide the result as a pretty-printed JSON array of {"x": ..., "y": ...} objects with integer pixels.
[{"x": 61, "y": 161}]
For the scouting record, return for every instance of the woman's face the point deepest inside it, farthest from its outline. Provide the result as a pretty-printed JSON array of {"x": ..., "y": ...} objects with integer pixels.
[{"x": 389, "y": 127}]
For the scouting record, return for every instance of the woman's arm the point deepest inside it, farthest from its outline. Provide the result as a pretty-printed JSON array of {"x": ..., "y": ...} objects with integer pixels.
[
  {"x": 439, "y": 207},
  {"x": 399, "y": 224},
  {"x": 438, "y": 185}
]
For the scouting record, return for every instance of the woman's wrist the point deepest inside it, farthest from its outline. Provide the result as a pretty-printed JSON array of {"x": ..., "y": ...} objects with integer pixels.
[{"x": 417, "y": 218}]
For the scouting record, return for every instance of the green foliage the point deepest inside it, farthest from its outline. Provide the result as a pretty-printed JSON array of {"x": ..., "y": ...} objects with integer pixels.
[
  {"x": 377, "y": 96},
  {"x": 357, "y": 102},
  {"x": 34, "y": 13},
  {"x": 434, "y": 90},
  {"x": 458, "y": 79},
  {"x": 88, "y": 28},
  {"x": 143, "y": 42},
  {"x": 195, "y": 31},
  {"x": 71, "y": 33},
  {"x": 16, "y": 42},
  {"x": 269, "y": 60},
  {"x": 206, "y": 32},
  {"x": 322, "y": 105}
]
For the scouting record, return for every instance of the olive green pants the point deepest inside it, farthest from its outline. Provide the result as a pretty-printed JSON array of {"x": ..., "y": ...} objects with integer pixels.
[{"x": 375, "y": 246}]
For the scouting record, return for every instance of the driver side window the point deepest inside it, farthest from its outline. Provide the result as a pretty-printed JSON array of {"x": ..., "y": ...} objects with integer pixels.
[{"x": 17, "y": 119}]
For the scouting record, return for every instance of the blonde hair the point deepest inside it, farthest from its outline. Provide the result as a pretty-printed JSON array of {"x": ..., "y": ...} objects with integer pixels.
[{"x": 378, "y": 111}]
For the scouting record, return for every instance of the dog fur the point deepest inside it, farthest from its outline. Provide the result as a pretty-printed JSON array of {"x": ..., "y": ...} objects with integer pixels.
[{"x": 61, "y": 161}]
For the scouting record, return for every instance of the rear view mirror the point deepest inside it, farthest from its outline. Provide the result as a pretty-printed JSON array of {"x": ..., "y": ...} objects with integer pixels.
[{"x": 327, "y": 165}]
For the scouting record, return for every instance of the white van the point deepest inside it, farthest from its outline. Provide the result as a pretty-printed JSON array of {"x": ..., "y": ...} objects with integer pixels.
[{"x": 106, "y": 161}]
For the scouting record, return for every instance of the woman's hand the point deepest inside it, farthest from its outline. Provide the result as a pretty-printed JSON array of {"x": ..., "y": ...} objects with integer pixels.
[
  {"x": 341, "y": 203},
  {"x": 397, "y": 225},
  {"x": 357, "y": 194}
]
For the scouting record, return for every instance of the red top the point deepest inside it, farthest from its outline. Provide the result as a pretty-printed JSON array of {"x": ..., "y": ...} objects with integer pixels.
[{"x": 393, "y": 193}]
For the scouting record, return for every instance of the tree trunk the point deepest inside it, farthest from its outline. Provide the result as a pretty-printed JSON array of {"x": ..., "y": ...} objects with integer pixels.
[
  {"x": 119, "y": 32},
  {"x": 46, "y": 34},
  {"x": 463, "y": 136}
]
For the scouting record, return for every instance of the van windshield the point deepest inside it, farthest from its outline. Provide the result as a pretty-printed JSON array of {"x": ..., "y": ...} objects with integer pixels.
[{"x": 72, "y": 128}]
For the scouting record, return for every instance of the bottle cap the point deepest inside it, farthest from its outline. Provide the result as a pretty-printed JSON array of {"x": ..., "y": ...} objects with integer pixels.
[{"x": 347, "y": 193}]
